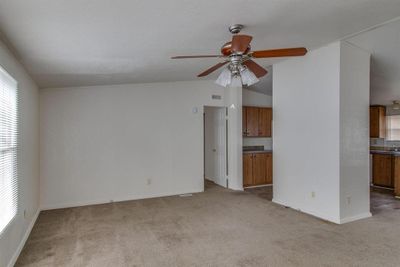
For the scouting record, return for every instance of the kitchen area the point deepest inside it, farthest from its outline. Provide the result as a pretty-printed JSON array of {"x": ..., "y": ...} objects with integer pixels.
[
  {"x": 385, "y": 148},
  {"x": 257, "y": 140}
]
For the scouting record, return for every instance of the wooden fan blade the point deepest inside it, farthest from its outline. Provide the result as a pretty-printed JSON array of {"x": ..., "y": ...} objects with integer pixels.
[
  {"x": 202, "y": 56},
  {"x": 240, "y": 43},
  {"x": 213, "y": 68},
  {"x": 255, "y": 68},
  {"x": 286, "y": 52}
]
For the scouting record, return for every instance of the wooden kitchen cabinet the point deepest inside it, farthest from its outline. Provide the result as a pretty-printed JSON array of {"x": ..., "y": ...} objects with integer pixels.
[
  {"x": 382, "y": 170},
  {"x": 257, "y": 169},
  {"x": 268, "y": 178},
  {"x": 257, "y": 122},
  {"x": 252, "y": 121},
  {"x": 377, "y": 121},
  {"x": 396, "y": 176},
  {"x": 265, "y": 122},
  {"x": 247, "y": 169}
]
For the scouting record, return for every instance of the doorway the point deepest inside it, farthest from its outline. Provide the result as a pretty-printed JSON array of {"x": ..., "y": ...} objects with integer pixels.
[{"x": 215, "y": 148}]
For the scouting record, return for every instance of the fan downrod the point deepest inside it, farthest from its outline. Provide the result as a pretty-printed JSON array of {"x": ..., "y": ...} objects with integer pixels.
[{"x": 236, "y": 28}]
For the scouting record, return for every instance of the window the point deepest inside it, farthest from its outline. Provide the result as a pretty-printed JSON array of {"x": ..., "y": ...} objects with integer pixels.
[
  {"x": 8, "y": 149},
  {"x": 393, "y": 127}
]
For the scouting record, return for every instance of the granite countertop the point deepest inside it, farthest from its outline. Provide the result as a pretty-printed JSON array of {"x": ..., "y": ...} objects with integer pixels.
[
  {"x": 384, "y": 150},
  {"x": 255, "y": 149}
]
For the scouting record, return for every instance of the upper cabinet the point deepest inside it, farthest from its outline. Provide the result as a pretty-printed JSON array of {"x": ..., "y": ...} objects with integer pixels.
[
  {"x": 265, "y": 122},
  {"x": 377, "y": 124},
  {"x": 257, "y": 122}
]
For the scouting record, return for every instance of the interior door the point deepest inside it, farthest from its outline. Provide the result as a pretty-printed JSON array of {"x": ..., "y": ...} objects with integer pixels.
[
  {"x": 252, "y": 121},
  {"x": 215, "y": 145},
  {"x": 221, "y": 156}
]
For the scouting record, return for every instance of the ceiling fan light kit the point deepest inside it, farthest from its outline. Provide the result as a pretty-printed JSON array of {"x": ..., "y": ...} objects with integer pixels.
[
  {"x": 238, "y": 55},
  {"x": 224, "y": 79},
  {"x": 248, "y": 77}
]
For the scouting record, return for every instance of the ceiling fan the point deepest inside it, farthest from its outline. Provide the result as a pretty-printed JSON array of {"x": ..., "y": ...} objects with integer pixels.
[{"x": 238, "y": 55}]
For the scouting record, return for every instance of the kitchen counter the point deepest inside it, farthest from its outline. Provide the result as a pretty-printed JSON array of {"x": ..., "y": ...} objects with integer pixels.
[
  {"x": 385, "y": 151},
  {"x": 256, "y": 151}
]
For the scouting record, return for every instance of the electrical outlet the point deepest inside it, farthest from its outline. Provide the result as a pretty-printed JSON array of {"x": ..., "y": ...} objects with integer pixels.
[
  {"x": 25, "y": 214},
  {"x": 348, "y": 200},
  {"x": 148, "y": 181},
  {"x": 313, "y": 194}
]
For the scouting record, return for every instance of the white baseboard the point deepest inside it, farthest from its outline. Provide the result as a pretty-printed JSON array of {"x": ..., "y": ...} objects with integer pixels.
[
  {"x": 308, "y": 212},
  {"x": 355, "y": 218},
  {"x": 23, "y": 241},
  {"x": 333, "y": 220},
  {"x": 118, "y": 199}
]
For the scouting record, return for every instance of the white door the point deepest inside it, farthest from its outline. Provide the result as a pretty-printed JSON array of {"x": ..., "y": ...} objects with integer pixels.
[{"x": 215, "y": 145}]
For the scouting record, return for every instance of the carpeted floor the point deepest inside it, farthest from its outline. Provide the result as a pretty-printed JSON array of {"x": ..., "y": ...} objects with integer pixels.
[{"x": 216, "y": 228}]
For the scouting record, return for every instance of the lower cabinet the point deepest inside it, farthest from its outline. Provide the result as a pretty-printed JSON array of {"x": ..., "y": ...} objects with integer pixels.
[
  {"x": 257, "y": 169},
  {"x": 383, "y": 170},
  {"x": 396, "y": 168}
]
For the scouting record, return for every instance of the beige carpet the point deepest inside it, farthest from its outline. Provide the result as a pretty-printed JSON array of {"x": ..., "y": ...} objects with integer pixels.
[{"x": 216, "y": 228}]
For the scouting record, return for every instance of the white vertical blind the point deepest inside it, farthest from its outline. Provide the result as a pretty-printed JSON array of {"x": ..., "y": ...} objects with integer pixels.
[
  {"x": 8, "y": 149},
  {"x": 393, "y": 127}
]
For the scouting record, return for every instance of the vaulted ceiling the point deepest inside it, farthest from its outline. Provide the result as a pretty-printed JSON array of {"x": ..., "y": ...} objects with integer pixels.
[
  {"x": 384, "y": 45},
  {"x": 91, "y": 42}
]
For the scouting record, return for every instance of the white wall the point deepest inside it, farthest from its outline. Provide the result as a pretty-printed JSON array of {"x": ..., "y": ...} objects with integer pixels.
[
  {"x": 215, "y": 145},
  {"x": 12, "y": 240},
  {"x": 256, "y": 99},
  {"x": 122, "y": 142},
  {"x": 253, "y": 98},
  {"x": 354, "y": 132},
  {"x": 320, "y": 145},
  {"x": 306, "y": 132}
]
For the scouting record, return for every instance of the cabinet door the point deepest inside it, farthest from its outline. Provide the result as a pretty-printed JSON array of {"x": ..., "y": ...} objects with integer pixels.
[
  {"x": 265, "y": 122},
  {"x": 382, "y": 122},
  {"x": 268, "y": 179},
  {"x": 373, "y": 122},
  {"x": 396, "y": 176},
  {"x": 244, "y": 121},
  {"x": 247, "y": 169},
  {"x": 259, "y": 168},
  {"x": 252, "y": 121},
  {"x": 377, "y": 122},
  {"x": 382, "y": 170}
]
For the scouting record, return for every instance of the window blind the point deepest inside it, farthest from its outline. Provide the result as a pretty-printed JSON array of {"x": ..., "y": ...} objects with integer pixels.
[
  {"x": 393, "y": 127},
  {"x": 8, "y": 149}
]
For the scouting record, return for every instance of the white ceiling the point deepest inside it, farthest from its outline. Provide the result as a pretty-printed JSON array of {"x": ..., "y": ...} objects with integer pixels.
[
  {"x": 90, "y": 42},
  {"x": 384, "y": 45}
]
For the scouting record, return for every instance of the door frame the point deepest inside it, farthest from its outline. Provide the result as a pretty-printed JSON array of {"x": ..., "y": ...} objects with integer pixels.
[{"x": 222, "y": 163}]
